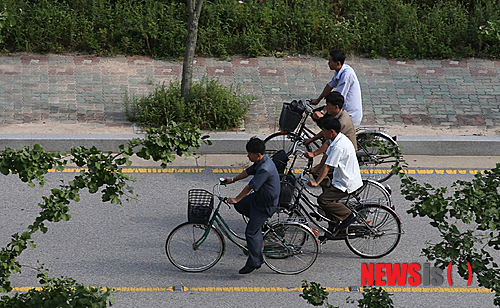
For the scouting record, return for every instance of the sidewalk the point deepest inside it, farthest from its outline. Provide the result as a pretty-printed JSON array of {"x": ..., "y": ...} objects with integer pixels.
[{"x": 71, "y": 97}]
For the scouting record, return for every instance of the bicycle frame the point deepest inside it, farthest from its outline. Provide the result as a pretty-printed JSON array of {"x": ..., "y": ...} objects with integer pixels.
[
  {"x": 367, "y": 158},
  {"x": 304, "y": 132},
  {"x": 305, "y": 205},
  {"x": 226, "y": 230}
]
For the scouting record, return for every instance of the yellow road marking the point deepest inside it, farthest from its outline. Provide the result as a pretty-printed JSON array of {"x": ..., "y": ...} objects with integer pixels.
[
  {"x": 282, "y": 289},
  {"x": 230, "y": 170},
  {"x": 433, "y": 290}
]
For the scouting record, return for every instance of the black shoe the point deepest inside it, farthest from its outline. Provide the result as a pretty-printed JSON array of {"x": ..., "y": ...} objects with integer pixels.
[
  {"x": 247, "y": 269},
  {"x": 348, "y": 221}
]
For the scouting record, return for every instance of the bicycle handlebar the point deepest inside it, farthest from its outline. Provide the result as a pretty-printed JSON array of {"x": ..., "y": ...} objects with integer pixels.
[
  {"x": 307, "y": 105},
  {"x": 305, "y": 170},
  {"x": 222, "y": 181}
]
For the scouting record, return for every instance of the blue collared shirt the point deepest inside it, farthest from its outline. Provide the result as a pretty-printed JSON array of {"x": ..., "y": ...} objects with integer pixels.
[
  {"x": 265, "y": 183},
  {"x": 346, "y": 82}
]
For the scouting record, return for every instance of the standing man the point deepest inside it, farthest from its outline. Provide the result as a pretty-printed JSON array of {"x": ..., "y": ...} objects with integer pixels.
[
  {"x": 346, "y": 176},
  {"x": 346, "y": 82},
  {"x": 261, "y": 204}
]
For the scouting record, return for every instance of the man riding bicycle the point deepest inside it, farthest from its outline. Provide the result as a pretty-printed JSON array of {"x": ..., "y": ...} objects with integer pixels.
[
  {"x": 261, "y": 204},
  {"x": 341, "y": 156}
]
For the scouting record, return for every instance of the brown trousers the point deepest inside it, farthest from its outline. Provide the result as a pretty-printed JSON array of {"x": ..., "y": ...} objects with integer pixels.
[{"x": 328, "y": 200}]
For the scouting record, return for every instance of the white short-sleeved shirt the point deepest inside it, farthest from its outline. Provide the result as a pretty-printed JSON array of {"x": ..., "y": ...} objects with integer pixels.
[
  {"x": 342, "y": 156},
  {"x": 346, "y": 82}
]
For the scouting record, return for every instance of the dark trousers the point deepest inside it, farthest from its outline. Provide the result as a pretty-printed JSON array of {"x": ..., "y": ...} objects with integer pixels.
[{"x": 257, "y": 215}]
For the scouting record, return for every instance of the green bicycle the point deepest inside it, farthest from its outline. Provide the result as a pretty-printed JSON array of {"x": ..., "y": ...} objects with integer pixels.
[{"x": 197, "y": 245}]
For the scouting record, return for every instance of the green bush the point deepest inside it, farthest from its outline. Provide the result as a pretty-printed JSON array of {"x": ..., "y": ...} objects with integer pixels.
[
  {"x": 61, "y": 293},
  {"x": 405, "y": 30},
  {"x": 317, "y": 295},
  {"x": 211, "y": 105},
  {"x": 490, "y": 36},
  {"x": 393, "y": 28}
]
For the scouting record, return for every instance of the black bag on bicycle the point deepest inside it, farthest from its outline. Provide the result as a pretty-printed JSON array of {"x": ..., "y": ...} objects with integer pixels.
[
  {"x": 280, "y": 159},
  {"x": 287, "y": 183},
  {"x": 291, "y": 114}
]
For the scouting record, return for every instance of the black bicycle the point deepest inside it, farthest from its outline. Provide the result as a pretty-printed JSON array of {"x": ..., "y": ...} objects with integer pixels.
[
  {"x": 378, "y": 153},
  {"x": 376, "y": 232}
]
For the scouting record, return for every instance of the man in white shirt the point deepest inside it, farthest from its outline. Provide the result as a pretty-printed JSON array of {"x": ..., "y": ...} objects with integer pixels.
[
  {"x": 346, "y": 82},
  {"x": 346, "y": 176}
]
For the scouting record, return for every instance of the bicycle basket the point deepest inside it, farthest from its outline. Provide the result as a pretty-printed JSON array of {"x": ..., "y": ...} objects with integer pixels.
[
  {"x": 287, "y": 183},
  {"x": 290, "y": 117},
  {"x": 200, "y": 206}
]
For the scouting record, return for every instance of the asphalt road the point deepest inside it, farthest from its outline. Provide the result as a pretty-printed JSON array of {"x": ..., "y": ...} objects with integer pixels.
[{"x": 122, "y": 246}]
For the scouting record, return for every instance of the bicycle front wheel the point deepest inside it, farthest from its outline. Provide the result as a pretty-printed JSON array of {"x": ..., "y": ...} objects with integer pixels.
[
  {"x": 287, "y": 142},
  {"x": 289, "y": 248},
  {"x": 376, "y": 232},
  {"x": 194, "y": 247},
  {"x": 377, "y": 155}
]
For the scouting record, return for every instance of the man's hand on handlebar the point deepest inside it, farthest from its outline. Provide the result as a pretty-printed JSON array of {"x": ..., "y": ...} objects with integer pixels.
[
  {"x": 314, "y": 101},
  {"x": 312, "y": 183},
  {"x": 309, "y": 155},
  {"x": 308, "y": 141},
  {"x": 232, "y": 200},
  {"x": 317, "y": 115}
]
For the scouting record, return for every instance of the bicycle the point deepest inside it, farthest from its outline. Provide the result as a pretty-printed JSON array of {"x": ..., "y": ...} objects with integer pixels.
[
  {"x": 375, "y": 234},
  {"x": 378, "y": 154},
  {"x": 372, "y": 192},
  {"x": 197, "y": 245}
]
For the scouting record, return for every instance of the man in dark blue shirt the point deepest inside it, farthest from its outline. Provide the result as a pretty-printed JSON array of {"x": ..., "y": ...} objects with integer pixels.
[{"x": 261, "y": 204}]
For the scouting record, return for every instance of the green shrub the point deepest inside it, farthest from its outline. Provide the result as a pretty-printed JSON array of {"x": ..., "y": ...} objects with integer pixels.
[
  {"x": 317, "y": 295},
  {"x": 393, "y": 28},
  {"x": 211, "y": 105},
  {"x": 375, "y": 298},
  {"x": 490, "y": 37}
]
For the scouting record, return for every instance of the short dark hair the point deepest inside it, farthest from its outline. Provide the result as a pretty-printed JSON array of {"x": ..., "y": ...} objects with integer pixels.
[
  {"x": 335, "y": 98},
  {"x": 256, "y": 146},
  {"x": 331, "y": 123},
  {"x": 337, "y": 56}
]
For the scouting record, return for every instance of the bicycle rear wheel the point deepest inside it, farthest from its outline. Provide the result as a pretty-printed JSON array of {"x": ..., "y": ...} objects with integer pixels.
[
  {"x": 376, "y": 233},
  {"x": 378, "y": 154},
  {"x": 290, "y": 214},
  {"x": 286, "y": 142},
  {"x": 289, "y": 248},
  {"x": 375, "y": 193},
  {"x": 194, "y": 247}
]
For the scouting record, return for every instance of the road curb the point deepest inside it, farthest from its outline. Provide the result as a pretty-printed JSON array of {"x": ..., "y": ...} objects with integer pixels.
[{"x": 234, "y": 143}]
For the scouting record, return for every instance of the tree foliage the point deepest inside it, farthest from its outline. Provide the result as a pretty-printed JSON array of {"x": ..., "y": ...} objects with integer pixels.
[
  {"x": 61, "y": 293},
  {"x": 467, "y": 217},
  {"x": 317, "y": 295},
  {"x": 102, "y": 175}
]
